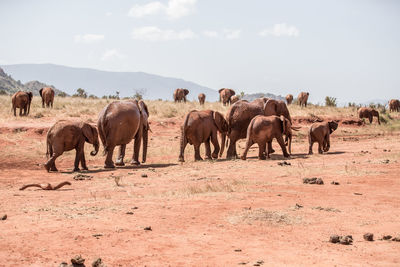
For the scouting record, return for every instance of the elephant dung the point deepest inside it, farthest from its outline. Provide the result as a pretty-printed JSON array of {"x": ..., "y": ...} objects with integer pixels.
[
  {"x": 344, "y": 240},
  {"x": 368, "y": 237},
  {"x": 4, "y": 217},
  {"x": 313, "y": 180}
]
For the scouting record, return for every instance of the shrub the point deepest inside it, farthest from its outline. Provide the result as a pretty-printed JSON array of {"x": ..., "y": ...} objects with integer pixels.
[
  {"x": 3, "y": 92},
  {"x": 80, "y": 93},
  {"x": 330, "y": 101},
  {"x": 62, "y": 94}
]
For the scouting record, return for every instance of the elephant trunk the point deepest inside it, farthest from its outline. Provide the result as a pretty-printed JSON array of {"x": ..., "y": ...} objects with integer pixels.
[
  {"x": 96, "y": 149},
  {"x": 223, "y": 139},
  {"x": 145, "y": 142}
]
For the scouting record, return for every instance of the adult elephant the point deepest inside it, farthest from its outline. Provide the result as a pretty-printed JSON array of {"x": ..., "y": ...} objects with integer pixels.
[
  {"x": 120, "y": 122},
  {"x": 303, "y": 98},
  {"x": 202, "y": 98},
  {"x": 22, "y": 100},
  {"x": 368, "y": 113},
  {"x": 225, "y": 95},
  {"x": 47, "y": 95},
  {"x": 180, "y": 94},
  {"x": 289, "y": 99},
  {"x": 242, "y": 112},
  {"x": 394, "y": 105},
  {"x": 234, "y": 99}
]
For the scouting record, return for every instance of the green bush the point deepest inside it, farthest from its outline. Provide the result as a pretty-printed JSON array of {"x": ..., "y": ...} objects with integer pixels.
[{"x": 330, "y": 101}]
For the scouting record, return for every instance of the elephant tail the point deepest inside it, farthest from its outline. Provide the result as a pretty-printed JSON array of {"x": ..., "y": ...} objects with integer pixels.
[{"x": 102, "y": 126}]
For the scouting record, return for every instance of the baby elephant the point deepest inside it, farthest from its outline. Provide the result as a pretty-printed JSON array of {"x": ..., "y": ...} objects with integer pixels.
[
  {"x": 201, "y": 127},
  {"x": 262, "y": 129},
  {"x": 320, "y": 132},
  {"x": 67, "y": 135}
]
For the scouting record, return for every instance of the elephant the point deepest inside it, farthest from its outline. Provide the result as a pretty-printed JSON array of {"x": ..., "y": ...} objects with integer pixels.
[
  {"x": 47, "y": 95},
  {"x": 120, "y": 122},
  {"x": 225, "y": 95},
  {"x": 242, "y": 112},
  {"x": 201, "y": 127},
  {"x": 289, "y": 99},
  {"x": 180, "y": 95},
  {"x": 67, "y": 135},
  {"x": 302, "y": 98},
  {"x": 368, "y": 113},
  {"x": 394, "y": 105},
  {"x": 202, "y": 98},
  {"x": 234, "y": 99},
  {"x": 22, "y": 100},
  {"x": 320, "y": 132},
  {"x": 262, "y": 129}
]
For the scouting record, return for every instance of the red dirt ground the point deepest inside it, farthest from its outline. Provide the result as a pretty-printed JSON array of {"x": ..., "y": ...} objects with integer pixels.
[{"x": 211, "y": 213}]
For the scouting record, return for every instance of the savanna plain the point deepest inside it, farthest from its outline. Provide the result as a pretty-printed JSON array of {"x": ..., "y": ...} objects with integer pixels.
[{"x": 209, "y": 213}]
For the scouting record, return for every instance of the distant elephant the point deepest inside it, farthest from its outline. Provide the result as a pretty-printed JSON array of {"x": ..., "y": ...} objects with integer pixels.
[
  {"x": 320, "y": 132},
  {"x": 202, "y": 98},
  {"x": 225, "y": 95},
  {"x": 242, "y": 112},
  {"x": 201, "y": 127},
  {"x": 303, "y": 98},
  {"x": 180, "y": 95},
  {"x": 262, "y": 129},
  {"x": 368, "y": 113},
  {"x": 47, "y": 94},
  {"x": 234, "y": 99},
  {"x": 120, "y": 122},
  {"x": 67, "y": 135},
  {"x": 394, "y": 105},
  {"x": 22, "y": 100},
  {"x": 289, "y": 99}
]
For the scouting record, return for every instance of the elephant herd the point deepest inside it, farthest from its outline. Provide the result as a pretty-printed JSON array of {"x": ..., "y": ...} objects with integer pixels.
[
  {"x": 226, "y": 96},
  {"x": 302, "y": 98},
  {"x": 23, "y": 100},
  {"x": 259, "y": 121}
]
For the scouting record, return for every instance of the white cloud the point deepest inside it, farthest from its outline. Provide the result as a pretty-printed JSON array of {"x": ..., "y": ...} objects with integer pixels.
[
  {"x": 211, "y": 34},
  {"x": 151, "y": 33},
  {"x": 109, "y": 14},
  {"x": 88, "y": 38},
  {"x": 152, "y": 8},
  {"x": 111, "y": 55},
  {"x": 281, "y": 30},
  {"x": 174, "y": 9},
  {"x": 232, "y": 34}
]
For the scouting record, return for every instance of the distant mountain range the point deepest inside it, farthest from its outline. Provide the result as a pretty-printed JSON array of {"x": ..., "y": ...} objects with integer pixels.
[
  {"x": 10, "y": 85},
  {"x": 100, "y": 83}
]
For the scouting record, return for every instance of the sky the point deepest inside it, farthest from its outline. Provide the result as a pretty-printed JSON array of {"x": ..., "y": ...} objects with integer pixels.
[{"x": 348, "y": 49}]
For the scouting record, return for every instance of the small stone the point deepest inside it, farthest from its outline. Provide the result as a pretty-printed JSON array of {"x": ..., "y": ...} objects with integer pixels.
[
  {"x": 334, "y": 239},
  {"x": 335, "y": 183},
  {"x": 129, "y": 213},
  {"x": 4, "y": 217},
  {"x": 135, "y": 208},
  {"x": 368, "y": 237},
  {"x": 148, "y": 228},
  {"x": 313, "y": 180},
  {"x": 386, "y": 237},
  {"x": 63, "y": 264},
  {"x": 144, "y": 175},
  {"x": 238, "y": 250},
  {"x": 298, "y": 206},
  {"x": 98, "y": 263},
  {"x": 396, "y": 239},
  {"x": 78, "y": 260},
  {"x": 346, "y": 240}
]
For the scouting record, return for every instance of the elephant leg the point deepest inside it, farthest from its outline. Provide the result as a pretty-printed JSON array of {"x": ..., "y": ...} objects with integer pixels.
[
  {"x": 310, "y": 147},
  {"x": 281, "y": 142},
  {"x": 182, "y": 152},
  {"x": 15, "y": 112},
  {"x": 20, "y": 112},
  {"x": 121, "y": 155},
  {"x": 136, "y": 148},
  {"x": 370, "y": 119},
  {"x": 261, "y": 151},
  {"x": 208, "y": 149},
  {"x": 320, "y": 146},
  {"x": 50, "y": 165},
  {"x": 270, "y": 149},
  {"x": 249, "y": 143},
  {"x": 197, "y": 151},
  {"x": 327, "y": 143},
  {"x": 108, "y": 164},
  {"x": 230, "y": 154},
  {"x": 214, "y": 141}
]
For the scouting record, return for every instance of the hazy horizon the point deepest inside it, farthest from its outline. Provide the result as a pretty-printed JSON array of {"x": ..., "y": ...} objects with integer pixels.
[{"x": 344, "y": 49}]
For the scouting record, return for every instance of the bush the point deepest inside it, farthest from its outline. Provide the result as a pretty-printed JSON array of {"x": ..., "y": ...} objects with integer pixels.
[
  {"x": 3, "y": 92},
  {"x": 80, "y": 93},
  {"x": 330, "y": 101},
  {"x": 62, "y": 94}
]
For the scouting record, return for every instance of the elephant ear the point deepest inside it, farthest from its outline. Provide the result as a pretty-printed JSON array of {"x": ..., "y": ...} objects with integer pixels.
[
  {"x": 283, "y": 123},
  {"x": 88, "y": 132},
  {"x": 220, "y": 90},
  {"x": 40, "y": 92},
  {"x": 220, "y": 122},
  {"x": 30, "y": 95},
  {"x": 186, "y": 91},
  {"x": 232, "y": 92},
  {"x": 332, "y": 126},
  {"x": 270, "y": 107},
  {"x": 145, "y": 113}
]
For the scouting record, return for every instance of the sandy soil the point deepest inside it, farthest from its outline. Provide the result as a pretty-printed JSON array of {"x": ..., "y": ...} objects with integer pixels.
[{"x": 211, "y": 213}]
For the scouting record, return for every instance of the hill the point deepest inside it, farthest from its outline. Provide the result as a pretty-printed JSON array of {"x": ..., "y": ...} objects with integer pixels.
[
  {"x": 251, "y": 97},
  {"x": 100, "y": 83}
]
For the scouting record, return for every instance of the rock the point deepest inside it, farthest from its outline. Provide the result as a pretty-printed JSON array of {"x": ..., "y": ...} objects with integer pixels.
[
  {"x": 396, "y": 239},
  {"x": 386, "y": 237},
  {"x": 386, "y": 161},
  {"x": 335, "y": 183},
  {"x": 238, "y": 250},
  {"x": 80, "y": 176},
  {"x": 313, "y": 180},
  {"x": 98, "y": 263},
  {"x": 284, "y": 163},
  {"x": 129, "y": 213},
  {"x": 63, "y": 264},
  {"x": 334, "y": 239},
  {"x": 297, "y": 206},
  {"x": 148, "y": 228},
  {"x": 4, "y": 217},
  {"x": 144, "y": 175},
  {"x": 346, "y": 240},
  {"x": 78, "y": 261},
  {"x": 368, "y": 237}
]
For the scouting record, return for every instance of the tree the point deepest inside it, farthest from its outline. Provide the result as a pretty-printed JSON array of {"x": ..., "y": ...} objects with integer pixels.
[{"x": 80, "y": 93}]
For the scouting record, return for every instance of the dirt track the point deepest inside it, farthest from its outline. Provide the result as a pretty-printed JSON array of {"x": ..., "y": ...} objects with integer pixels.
[{"x": 219, "y": 213}]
